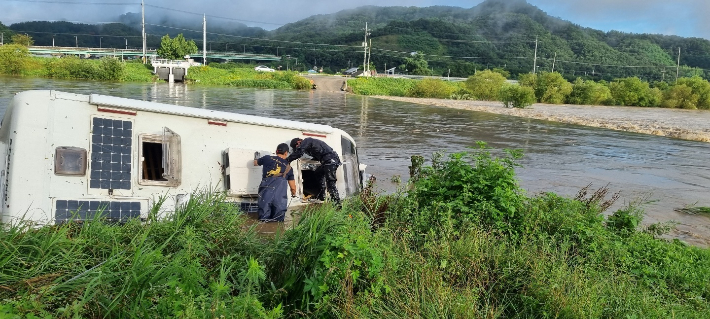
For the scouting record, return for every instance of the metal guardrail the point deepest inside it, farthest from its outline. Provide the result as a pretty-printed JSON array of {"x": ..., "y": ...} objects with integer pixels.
[{"x": 151, "y": 53}]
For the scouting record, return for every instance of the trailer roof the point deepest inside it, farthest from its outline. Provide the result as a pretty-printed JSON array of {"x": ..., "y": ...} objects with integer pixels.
[{"x": 137, "y": 105}]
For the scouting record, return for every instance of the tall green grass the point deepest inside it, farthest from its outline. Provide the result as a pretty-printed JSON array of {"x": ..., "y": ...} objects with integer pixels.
[
  {"x": 463, "y": 242},
  {"x": 247, "y": 77}
]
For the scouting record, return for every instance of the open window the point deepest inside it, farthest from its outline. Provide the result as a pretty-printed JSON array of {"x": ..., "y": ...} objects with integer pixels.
[{"x": 160, "y": 159}]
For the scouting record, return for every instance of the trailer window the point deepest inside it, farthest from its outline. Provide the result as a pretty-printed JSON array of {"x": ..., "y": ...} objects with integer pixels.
[{"x": 160, "y": 159}]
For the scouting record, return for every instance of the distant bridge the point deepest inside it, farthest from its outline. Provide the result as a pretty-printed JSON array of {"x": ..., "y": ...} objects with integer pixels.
[{"x": 43, "y": 50}]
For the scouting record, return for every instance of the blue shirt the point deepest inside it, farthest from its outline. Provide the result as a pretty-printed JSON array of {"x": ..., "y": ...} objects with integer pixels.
[{"x": 273, "y": 166}]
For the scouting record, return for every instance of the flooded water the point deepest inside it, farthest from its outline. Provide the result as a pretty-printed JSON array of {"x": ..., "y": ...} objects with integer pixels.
[{"x": 666, "y": 173}]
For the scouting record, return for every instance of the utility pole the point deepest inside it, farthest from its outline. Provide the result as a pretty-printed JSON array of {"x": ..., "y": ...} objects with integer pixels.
[
  {"x": 369, "y": 54},
  {"x": 100, "y": 38},
  {"x": 204, "y": 39},
  {"x": 677, "y": 68},
  {"x": 126, "y": 43},
  {"x": 143, "y": 27},
  {"x": 553, "y": 63},
  {"x": 76, "y": 41},
  {"x": 535, "y": 59},
  {"x": 244, "y": 47},
  {"x": 52, "y": 41},
  {"x": 364, "y": 44}
]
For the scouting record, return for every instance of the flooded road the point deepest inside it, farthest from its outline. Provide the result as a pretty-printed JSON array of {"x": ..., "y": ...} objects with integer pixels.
[{"x": 562, "y": 158}]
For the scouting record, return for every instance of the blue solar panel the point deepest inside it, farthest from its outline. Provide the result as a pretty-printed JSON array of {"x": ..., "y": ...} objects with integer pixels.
[
  {"x": 111, "y": 142},
  {"x": 87, "y": 210}
]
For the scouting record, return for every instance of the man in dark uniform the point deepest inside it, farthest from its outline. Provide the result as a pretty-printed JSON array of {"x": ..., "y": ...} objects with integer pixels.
[
  {"x": 276, "y": 174},
  {"x": 329, "y": 162}
]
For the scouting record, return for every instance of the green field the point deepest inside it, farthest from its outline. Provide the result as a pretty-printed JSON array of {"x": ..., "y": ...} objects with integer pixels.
[{"x": 464, "y": 241}]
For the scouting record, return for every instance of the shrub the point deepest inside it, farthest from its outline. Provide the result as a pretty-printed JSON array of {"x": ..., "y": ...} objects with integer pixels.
[
  {"x": 111, "y": 69},
  {"x": 381, "y": 86},
  {"x": 432, "y": 88},
  {"x": 680, "y": 96},
  {"x": 634, "y": 92},
  {"x": 517, "y": 96},
  {"x": 14, "y": 59},
  {"x": 549, "y": 87},
  {"x": 470, "y": 188},
  {"x": 700, "y": 88},
  {"x": 485, "y": 85},
  {"x": 589, "y": 93}
]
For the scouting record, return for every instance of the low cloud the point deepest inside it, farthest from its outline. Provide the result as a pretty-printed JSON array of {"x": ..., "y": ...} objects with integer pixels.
[{"x": 681, "y": 17}]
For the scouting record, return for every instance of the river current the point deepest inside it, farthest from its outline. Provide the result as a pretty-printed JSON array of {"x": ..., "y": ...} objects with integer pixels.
[{"x": 663, "y": 173}]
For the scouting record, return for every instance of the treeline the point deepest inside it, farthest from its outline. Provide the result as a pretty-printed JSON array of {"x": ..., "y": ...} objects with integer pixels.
[
  {"x": 465, "y": 241},
  {"x": 454, "y": 41},
  {"x": 547, "y": 87}
]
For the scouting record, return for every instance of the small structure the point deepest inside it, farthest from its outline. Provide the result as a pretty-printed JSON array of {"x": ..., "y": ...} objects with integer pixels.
[
  {"x": 69, "y": 156},
  {"x": 172, "y": 70}
]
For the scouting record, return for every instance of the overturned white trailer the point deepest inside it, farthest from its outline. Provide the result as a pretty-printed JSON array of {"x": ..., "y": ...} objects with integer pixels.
[{"x": 68, "y": 156}]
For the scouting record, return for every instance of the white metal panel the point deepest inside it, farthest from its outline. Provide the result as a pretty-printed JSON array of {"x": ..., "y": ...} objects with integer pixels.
[
  {"x": 112, "y": 101},
  {"x": 244, "y": 176}
]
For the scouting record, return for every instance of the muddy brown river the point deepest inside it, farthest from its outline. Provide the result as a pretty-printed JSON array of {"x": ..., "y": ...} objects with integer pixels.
[{"x": 663, "y": 172}]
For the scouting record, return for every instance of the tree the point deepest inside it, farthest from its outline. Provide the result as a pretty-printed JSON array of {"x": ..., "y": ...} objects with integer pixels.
[
  {"x": 416, "y": 65},
  {"x": 485, "y": 85},
  {"x": 517, "y": 96},
  {"x": 634, "y": 92},
  {"x": 177, "y": 48},
  {"x": 23, "y": 40},
  {"x": 699, "y": 87},
  {"x": 549, "y": 87},
  {"x": 680, "y": 96},
  {"x": 589, "y": 93},
  {"x": 14, "y": 58}
]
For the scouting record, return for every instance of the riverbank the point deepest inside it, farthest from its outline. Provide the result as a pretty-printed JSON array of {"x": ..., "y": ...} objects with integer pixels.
[
  {"x": 465, "y": 241},
  {"x": 691, "y": 125}
]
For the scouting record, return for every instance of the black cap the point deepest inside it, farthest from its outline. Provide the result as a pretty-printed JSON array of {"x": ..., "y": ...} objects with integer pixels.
[
  {"x": 294, "y": 142},
  {"x": 282, "y": 148}
]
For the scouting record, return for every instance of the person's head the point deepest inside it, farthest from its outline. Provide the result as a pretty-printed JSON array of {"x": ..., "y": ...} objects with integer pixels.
[
  {"x": 295, "y": 142},
  {"x": 282, "y": 149}
]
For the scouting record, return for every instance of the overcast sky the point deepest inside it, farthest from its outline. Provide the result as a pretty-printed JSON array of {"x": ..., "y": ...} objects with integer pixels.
[{"x": 673, "y": 17}]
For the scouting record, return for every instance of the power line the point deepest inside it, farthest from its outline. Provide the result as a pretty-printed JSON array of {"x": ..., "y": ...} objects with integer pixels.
[
  {"x": 77, "y": 2},
  {"x": 212, "y": 16}
]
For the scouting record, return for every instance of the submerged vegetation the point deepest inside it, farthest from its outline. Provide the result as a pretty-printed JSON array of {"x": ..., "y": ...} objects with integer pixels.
[
  {"x": 464, "y": 241},
  {"x": 547, "y": 87},
  {"x": 239, "y": 75}
]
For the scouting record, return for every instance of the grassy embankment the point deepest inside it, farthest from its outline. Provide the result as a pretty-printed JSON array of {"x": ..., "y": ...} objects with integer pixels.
[
  {"x": 463, "y": 242},
  {"x": 545, "y": 87},
  {"x": 15, "y": 60}
]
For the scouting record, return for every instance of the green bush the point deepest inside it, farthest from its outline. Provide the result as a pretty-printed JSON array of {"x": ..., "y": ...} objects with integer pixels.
[
  {"x": 517, "y": 96},
  {"x": 485, "y": 85},
  {"x": 381, "y": 86},
  {"x": 634, "y": 92},
  {"x": 680, "y": 96},
  {"x": 549, "y": 87},
  {"x": 589, "y": 93},
  {"x": 472, "y": 188},
  {"x": 432, "y": 88},
  {"x": 700, "y": 88},
  {"x": 247, "y": 77},
  {"x": 14, "y": 59}
]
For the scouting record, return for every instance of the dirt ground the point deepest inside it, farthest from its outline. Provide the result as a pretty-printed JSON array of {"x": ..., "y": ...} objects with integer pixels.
[{"x": 691, "y": 125}]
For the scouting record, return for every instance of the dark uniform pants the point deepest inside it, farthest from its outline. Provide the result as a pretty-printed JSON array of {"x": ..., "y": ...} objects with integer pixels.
[
  {"x": 273, "y": 199},
  {"x": 328, "y": 178}
]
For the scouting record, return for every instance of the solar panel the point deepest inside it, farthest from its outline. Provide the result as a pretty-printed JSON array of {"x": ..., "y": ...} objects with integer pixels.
[
  {"x": 111, "y": 142},
  {"x": 87, "y": 210}
]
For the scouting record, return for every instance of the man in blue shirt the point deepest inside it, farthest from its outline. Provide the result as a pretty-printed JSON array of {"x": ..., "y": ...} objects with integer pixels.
[{"x": 276, "y": 174}]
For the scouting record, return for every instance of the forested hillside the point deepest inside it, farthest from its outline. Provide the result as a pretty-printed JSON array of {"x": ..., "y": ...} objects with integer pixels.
[{"x": 452, "y": 41}]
